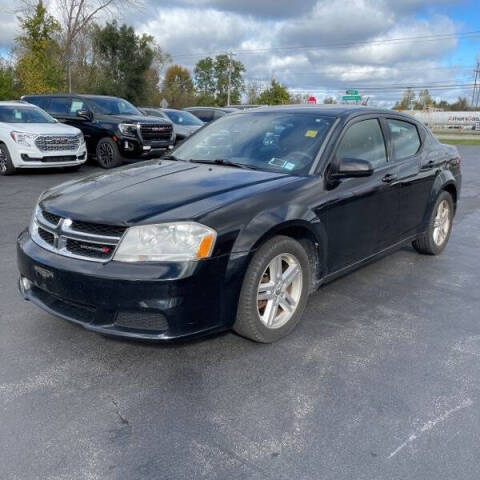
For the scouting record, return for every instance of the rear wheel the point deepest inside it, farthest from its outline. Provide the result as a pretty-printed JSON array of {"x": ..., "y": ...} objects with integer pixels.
[
  {"x": 108, "y": 155},
  {"x": 6, "y": 165},
  {"x": 435, "y": 239},
  {"x": 274, "y": 291}
]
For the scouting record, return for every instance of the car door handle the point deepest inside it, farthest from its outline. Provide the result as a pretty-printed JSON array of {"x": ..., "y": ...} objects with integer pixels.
[
  {"x": 428, "y": 165},
  {"x": 389, "y": 177}
]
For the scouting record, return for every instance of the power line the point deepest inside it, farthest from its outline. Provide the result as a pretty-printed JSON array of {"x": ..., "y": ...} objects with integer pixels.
[{"x": 419, "y": 38}]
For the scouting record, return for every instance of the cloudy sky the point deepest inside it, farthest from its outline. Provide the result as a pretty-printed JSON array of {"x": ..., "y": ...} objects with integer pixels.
[{"x": 319, "y": 47}]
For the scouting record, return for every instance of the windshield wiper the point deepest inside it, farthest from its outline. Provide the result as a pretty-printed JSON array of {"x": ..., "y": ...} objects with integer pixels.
[
  {"x": 172, "y": 157},
  {"x": 224, "y": 162}
]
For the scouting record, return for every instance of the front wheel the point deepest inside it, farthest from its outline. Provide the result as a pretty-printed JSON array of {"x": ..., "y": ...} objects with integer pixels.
[
  {"x": 108, "y": 155},
  {"x": 274, "y": 291},
  {"x": 435, "y": 239},
  {"x": 6, "y": 165}
]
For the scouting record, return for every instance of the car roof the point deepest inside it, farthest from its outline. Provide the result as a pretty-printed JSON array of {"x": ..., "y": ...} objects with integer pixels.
[
  {"x": 68, "y": 95},
  {"x": 335, "y": 110},
  {"x": 15, "y": 103},
  {"x": 223, "y": 109}
]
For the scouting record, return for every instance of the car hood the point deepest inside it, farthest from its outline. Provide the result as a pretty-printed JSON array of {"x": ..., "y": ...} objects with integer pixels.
[
  {"x": 136, "y": 119},
  {"x": 133, "y": 194},
  {"x": 43, "y": 128}
]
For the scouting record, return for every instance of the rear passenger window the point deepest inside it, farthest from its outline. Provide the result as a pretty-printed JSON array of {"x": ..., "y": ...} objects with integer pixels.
[
  {"x": 60, "y": 106},
  {"x": 203, "y": 115},
  {"x": 405, "y": 139},
  {"x": 364, "y": 141}
]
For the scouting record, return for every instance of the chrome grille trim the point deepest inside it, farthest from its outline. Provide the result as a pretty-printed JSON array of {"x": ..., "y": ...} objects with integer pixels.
[
  {"x": 57, "y": 143},
  {"x": 62, "y": 233}
]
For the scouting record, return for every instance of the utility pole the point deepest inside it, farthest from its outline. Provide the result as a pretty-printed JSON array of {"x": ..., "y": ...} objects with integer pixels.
[
  {"x": 475, "y": 88},
  {"x": 229, "y": 86}
]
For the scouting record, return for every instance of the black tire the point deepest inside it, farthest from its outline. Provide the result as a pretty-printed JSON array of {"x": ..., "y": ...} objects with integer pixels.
[
  {"x": 248, "y": 323},
  {"x": 107, "y": 154},
  {"x": 426, "y": 243},
  {"x": 6, "y": 165}
]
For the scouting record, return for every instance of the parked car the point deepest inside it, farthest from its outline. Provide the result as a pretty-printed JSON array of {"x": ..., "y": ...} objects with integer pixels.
[
  {"x": 240, "y": 224},
  {"x": 30, "y": 138},
  {"x": 184, "y": 123},
  {"x": 210, "y": 114},
  {"x": 115, "y": 130}
]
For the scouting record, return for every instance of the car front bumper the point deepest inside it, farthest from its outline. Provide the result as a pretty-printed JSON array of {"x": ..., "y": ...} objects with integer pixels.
[
  {"x": 33, "y": 158},
  {"x": 143, "y": 301},
  {"x": 131, "y": 148}
]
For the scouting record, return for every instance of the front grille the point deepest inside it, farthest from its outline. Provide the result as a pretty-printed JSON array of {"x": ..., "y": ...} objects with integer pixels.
[
  {"x": 156, "y": 132},
  {"x": 83, "y": 240},
  {"x": 62, "y": 158},
  {"x": 90, "y": 249},
  {"x": 97, "y": 229},
  {"x": 142, "y": 321},
  {"x": 50, "y": 217},
  {"x": 65, "y": 308},
  {"x": 46, "y": 236},
  {"x": 56, "y": 143}
]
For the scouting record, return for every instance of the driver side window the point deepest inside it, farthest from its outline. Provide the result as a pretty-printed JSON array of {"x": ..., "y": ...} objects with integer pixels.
[{"x": 364, "y": 140}]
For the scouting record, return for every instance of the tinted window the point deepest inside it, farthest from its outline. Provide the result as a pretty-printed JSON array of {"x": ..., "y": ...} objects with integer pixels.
[
  {"x": 41, "y": 102},
  {"x": 273, "y": 141},
  {"x": 203, "y": 115},
  {"x": 76, "y": 105},
  {"x": 218, "y": 114},
  {"x": 183, "y": 118},
  {"x": 60, "y": 106},
  {"x": 112, "y": 106},
  {"x": 405, "y": 139},
  {"x": 364, "y": 140}
]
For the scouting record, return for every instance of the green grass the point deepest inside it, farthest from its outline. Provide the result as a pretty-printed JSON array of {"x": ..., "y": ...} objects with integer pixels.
[{"x": 460, "y": 141}]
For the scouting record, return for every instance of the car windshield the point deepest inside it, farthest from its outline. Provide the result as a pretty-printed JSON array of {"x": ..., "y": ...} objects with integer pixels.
[
  {"x": 183, "y": 118},
  {"x": 20, "y": 114},
  {"x": 112, "y": 106},
  {"x": 275, "y": 141}
]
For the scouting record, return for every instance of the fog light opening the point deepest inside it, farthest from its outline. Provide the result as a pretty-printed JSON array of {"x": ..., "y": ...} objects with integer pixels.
[{"x": 26, "y": 284}]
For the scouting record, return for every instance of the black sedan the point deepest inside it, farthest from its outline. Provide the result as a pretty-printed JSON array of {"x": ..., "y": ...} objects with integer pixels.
[{"x": 240, "y": 224}]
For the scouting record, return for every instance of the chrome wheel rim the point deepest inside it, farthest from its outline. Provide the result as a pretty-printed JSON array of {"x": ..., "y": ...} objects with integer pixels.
[
  {"x": 441, "y": 223},
  {"x": 3, "y": 161},
  {"x": 105, "y": 152},
  {"x": 279, "y": 290}
]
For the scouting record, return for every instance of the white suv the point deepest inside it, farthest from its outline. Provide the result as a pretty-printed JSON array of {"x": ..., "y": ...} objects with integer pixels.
[{"x": 31, "y": 138}]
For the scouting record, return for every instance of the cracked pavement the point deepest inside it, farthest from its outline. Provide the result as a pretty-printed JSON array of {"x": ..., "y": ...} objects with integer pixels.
[{"x": 379, "y": 381}]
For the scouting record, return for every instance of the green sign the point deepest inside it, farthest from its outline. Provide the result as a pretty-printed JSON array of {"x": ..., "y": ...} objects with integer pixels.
[
  {"x": 351, "y": 92},
  {"x": 351, "y": 97}
]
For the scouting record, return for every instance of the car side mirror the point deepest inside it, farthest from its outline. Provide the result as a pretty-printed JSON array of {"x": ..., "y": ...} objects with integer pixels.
[
  {"x": 352, "y": 167},
  {"x": 84, "y": 114}
]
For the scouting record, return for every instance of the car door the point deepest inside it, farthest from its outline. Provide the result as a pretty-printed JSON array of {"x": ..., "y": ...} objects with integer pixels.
[
  {"x": 359, "y": 216},
  {"x": 413, "y": 179}
]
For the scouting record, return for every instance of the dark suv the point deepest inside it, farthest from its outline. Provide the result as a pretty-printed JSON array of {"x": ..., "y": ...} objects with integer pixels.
[{"x": 114, "y": 129}]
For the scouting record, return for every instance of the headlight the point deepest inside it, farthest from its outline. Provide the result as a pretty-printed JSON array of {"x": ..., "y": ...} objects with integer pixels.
[
  {"x": 81, "y": 139},
  {"x": 33, "y": 226},
  {"x": 129, "y": 129},
  {"x": 167, "y": 242},
  {"x": 24, "y": 139}
]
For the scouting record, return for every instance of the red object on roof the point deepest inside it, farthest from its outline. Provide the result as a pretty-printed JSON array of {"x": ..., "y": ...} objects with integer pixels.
[{"x": 312, "y": 100}]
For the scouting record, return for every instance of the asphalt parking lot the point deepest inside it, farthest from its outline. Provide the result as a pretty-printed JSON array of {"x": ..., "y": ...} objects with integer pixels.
[{"x": 379, "y": 381}]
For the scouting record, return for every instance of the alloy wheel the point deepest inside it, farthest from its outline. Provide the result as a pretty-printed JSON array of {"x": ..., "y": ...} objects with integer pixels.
[
  {"x": 441, "y": 223},
  {"x": 106, "y": 154},
  {"x": 279, "y": 290},
  {"x": 3, "y": 161}
]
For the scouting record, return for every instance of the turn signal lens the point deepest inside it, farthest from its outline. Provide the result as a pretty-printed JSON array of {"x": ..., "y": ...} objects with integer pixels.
[{"x": 206, "y": 246}]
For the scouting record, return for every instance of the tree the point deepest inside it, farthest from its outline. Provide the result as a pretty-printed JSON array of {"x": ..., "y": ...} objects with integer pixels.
[
  {"x": 204, "y": 78},
  {"x": 329, "y": 100},
  {"x": 123, "y": 60},
  {"x": 407, "y": 102},
  {"x": 460, "y": 105},
  {"x": 39, "y": 67},
  {"x": 253, "y": 91},
  {"x": 212, "y": 79},
  {"x": 8, "y": 90},
  {"x": 277, "y": 94},
  {"x": 178, "y": 87},
  {"x": 226, "y": 68},
  {"x": 76, "y": 16},
  {"x": 424, "y": 100}
]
